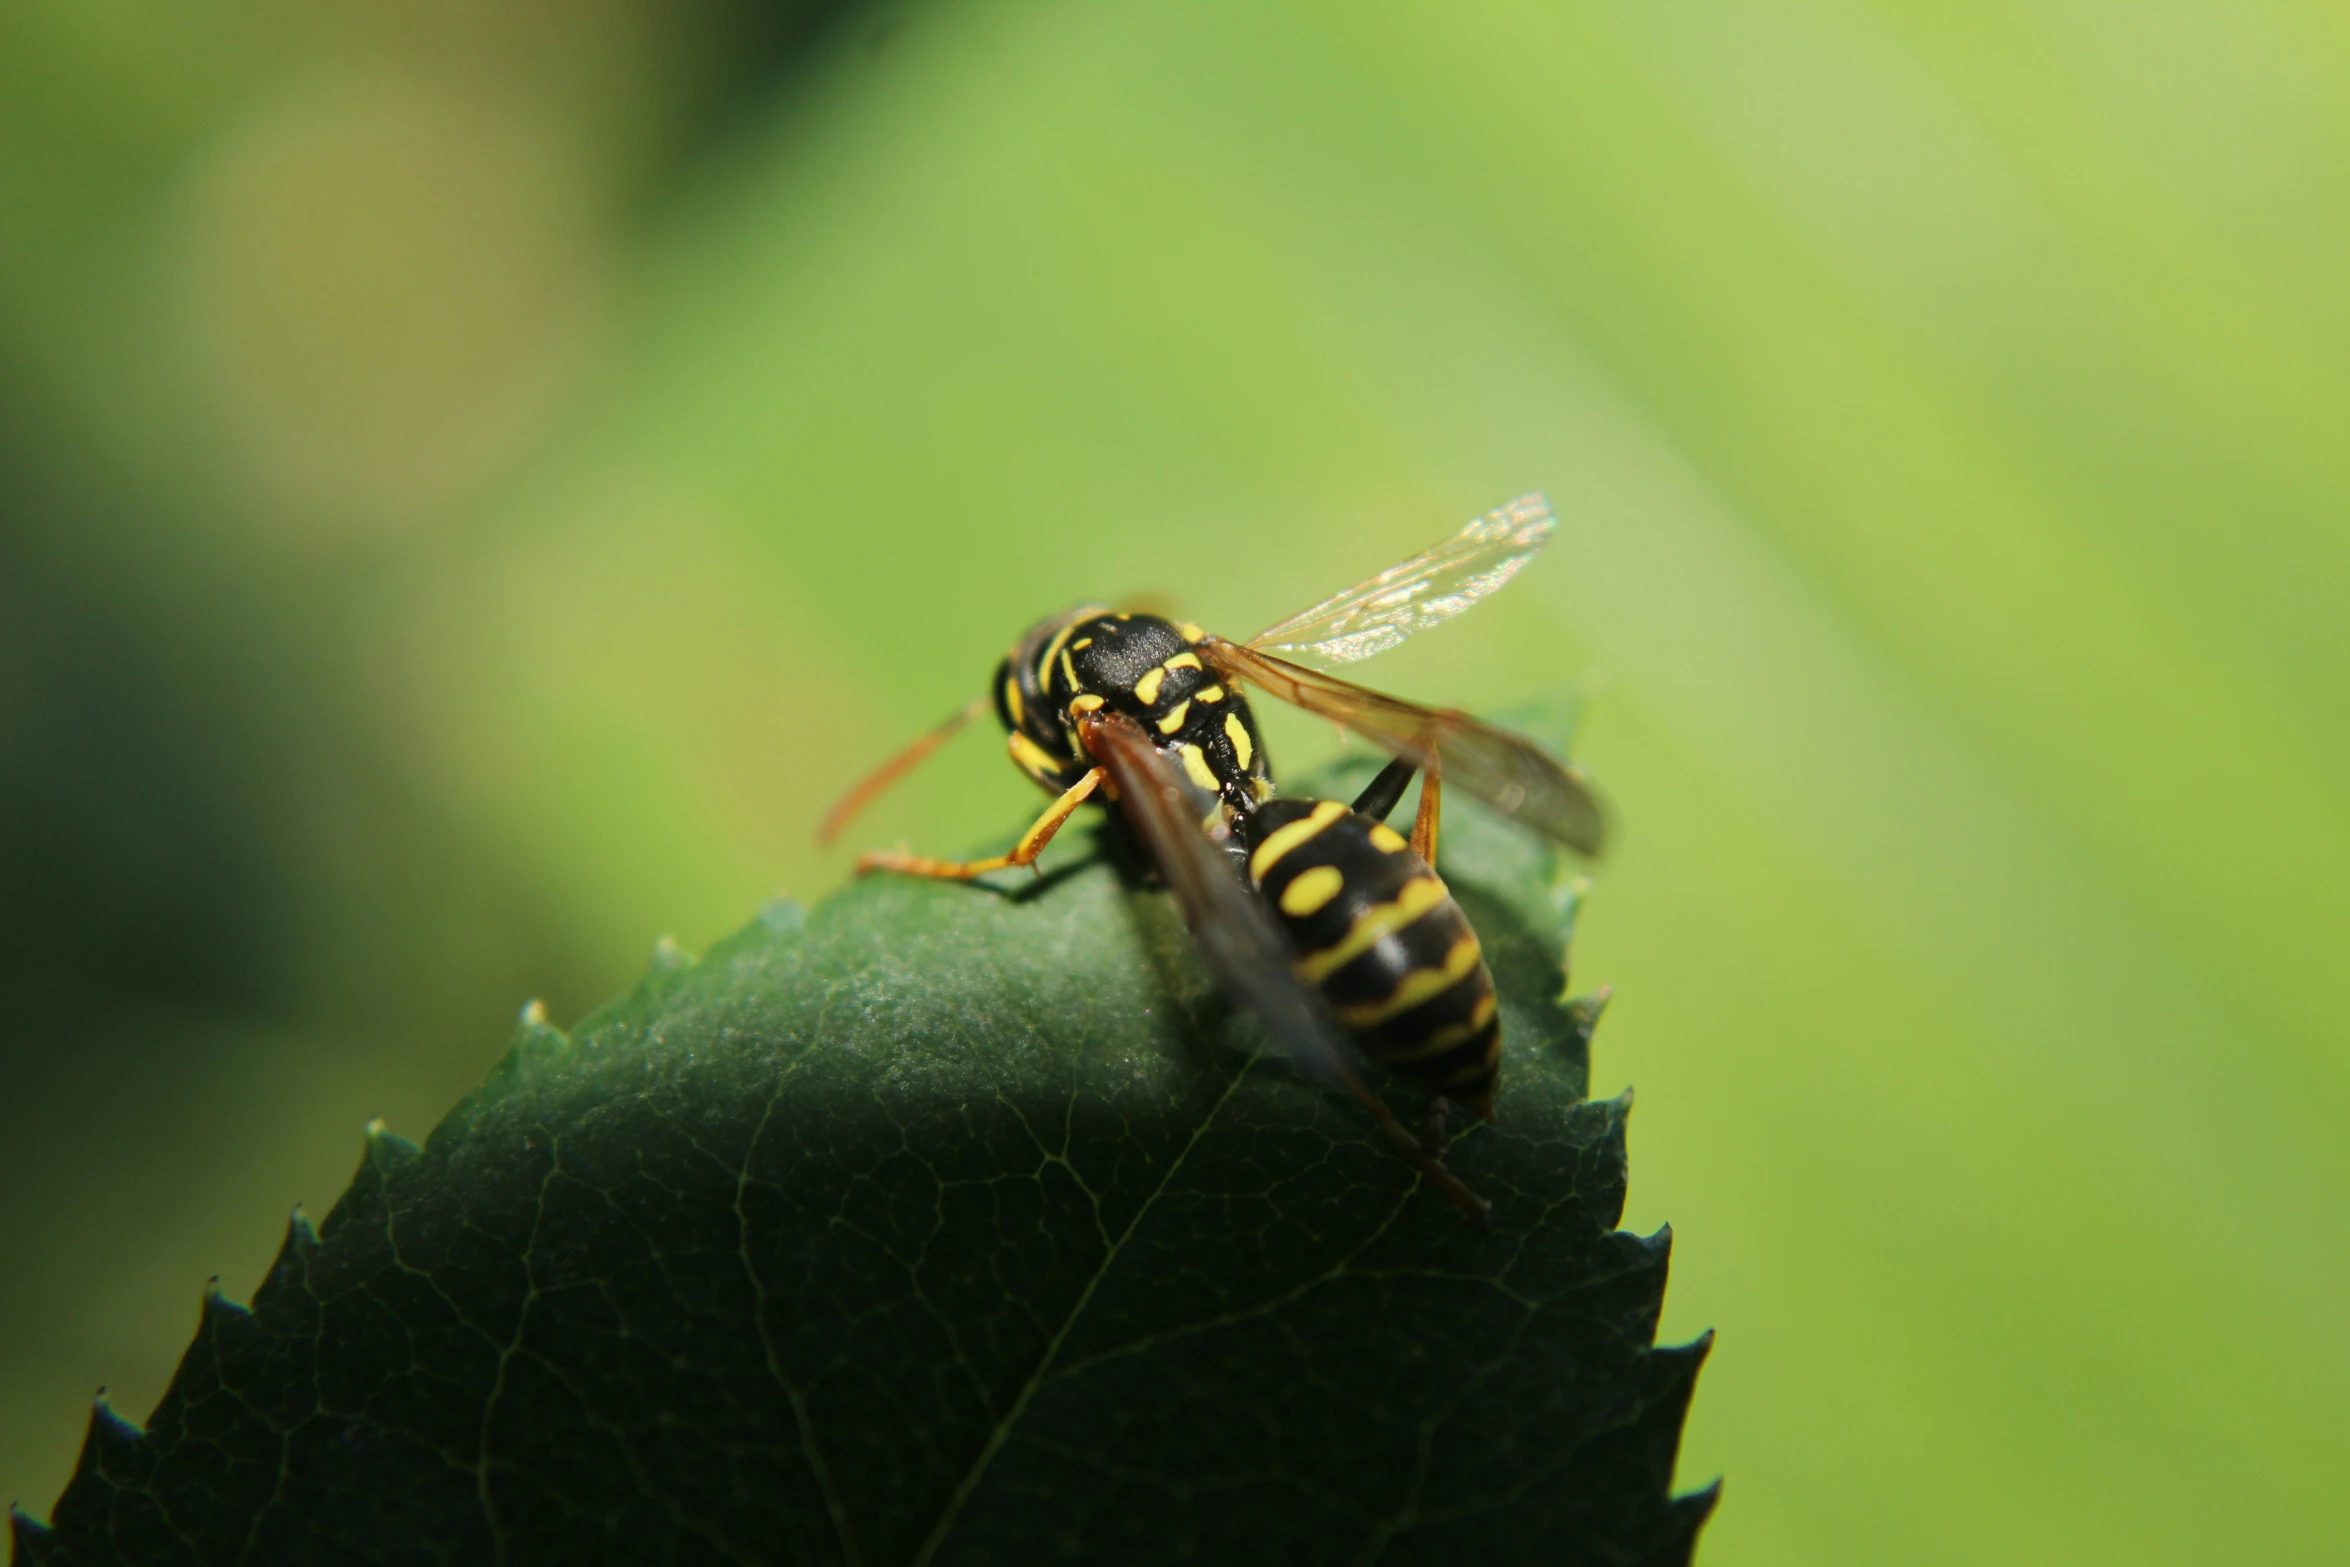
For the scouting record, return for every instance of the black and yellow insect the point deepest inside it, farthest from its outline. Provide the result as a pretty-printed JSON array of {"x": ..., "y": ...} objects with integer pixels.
[
  {"x": 1336, "y": 930},
  {"x": 1377, "y": 932}
]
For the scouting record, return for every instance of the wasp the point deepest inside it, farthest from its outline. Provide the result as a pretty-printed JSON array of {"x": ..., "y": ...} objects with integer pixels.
[{"x": 1327, "y": 923}]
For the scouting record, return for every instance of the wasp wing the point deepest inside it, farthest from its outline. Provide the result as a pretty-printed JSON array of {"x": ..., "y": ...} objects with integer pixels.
[
  {"x": 1244, "y": 949},
  {"x": 1507, "y": 771},
  {"x": 1431, "y": 587}
]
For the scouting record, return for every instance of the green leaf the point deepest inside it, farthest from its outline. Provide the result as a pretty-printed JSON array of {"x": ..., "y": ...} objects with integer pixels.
[{"x": 943, "y": 1224}]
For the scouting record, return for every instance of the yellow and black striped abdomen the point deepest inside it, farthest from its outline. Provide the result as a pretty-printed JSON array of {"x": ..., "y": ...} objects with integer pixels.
[{"x": 1382, "y": 939}]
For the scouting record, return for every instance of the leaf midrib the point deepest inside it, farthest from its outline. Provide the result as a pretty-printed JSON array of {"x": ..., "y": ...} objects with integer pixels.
[{"x": 1052, "y": 1350}]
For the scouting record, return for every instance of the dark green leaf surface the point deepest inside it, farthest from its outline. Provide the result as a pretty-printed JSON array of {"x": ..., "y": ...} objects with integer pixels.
[{"x": 942, "y": 1225}]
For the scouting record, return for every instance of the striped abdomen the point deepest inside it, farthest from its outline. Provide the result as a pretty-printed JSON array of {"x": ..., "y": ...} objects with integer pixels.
[{"x": 1379, "y": 935}]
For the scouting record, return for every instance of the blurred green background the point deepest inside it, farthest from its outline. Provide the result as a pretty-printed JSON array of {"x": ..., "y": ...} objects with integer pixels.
[{"x": 475, "y": 480}]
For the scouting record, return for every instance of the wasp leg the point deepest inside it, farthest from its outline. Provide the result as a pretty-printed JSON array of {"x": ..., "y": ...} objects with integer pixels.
[
  {"x": 1431, "y": 808},
  {"x": 1386, "y": 790},
  {"x": 870, "y": 788},
  {"x": 1024, "y": 852},
  {"x": 1416, "y": 1150},
  {"x": 1428, "y": 1161},
  {"x": 1432, "y": 1135}
]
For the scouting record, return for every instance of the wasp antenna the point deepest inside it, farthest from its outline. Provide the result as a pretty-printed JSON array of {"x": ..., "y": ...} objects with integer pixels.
[{"x": 877, "y": 782}]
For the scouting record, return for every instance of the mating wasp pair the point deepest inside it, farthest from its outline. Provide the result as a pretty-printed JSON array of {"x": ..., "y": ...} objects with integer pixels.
[{"x": 1316, "y": 915}]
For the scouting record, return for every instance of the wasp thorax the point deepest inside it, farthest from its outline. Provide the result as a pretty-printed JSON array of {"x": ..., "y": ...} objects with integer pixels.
[
  {"x": 1150, "y": 670},
  {"x": 1113, "y": 656}
]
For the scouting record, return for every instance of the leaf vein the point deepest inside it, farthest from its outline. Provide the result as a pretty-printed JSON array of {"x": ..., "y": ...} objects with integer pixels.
[{"x": 1038, "y": 1376}]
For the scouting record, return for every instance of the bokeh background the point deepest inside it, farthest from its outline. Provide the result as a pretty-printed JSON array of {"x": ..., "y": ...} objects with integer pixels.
[{"x": 476, "y": 479}]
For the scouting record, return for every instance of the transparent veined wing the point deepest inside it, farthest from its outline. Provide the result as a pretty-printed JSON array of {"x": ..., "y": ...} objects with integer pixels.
[
  {"x": 1244, "y": 949},
  {"x": 1507, "y": 771},
  {"x": 1431, "y": 587}
]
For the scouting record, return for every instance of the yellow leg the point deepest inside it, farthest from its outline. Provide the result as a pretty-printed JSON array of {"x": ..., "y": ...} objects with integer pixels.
[
  {"x": 873, "y": 784},
  {"x": 1024, "y": 852},
  {"x": 1431, "y": 808}
]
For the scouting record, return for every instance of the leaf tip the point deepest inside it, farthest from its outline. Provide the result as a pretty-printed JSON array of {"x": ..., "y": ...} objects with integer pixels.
[
  {"x": 1583, "y": 1015},
  {"x": 26, "y": 1533},
  {"x": 534, "y": 1034},
  {"x": 1615, "y": 1119},
  {"x": 1693, "y": 1508},
  {"x": 1678, "y": 1364},
  {"x": 217, "y": 1306},
  {"x": 109, "y": 1431},
  {"x": 669, "y": 957},
  {"x": 109, "y": 1445},
  {"x": 386, "y": 1147},
  {"x": 292, "y": 1261}
]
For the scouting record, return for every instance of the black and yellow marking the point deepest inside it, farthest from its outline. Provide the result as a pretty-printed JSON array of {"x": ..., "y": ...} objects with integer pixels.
[
  {"x": 1144, "y": 667},
  {"x": 1377, "y": 932},
  {"x": 1069, "y": 671},
  {"x": 1373, "y": 926},
  {"x": 1150, "y": 713}
]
